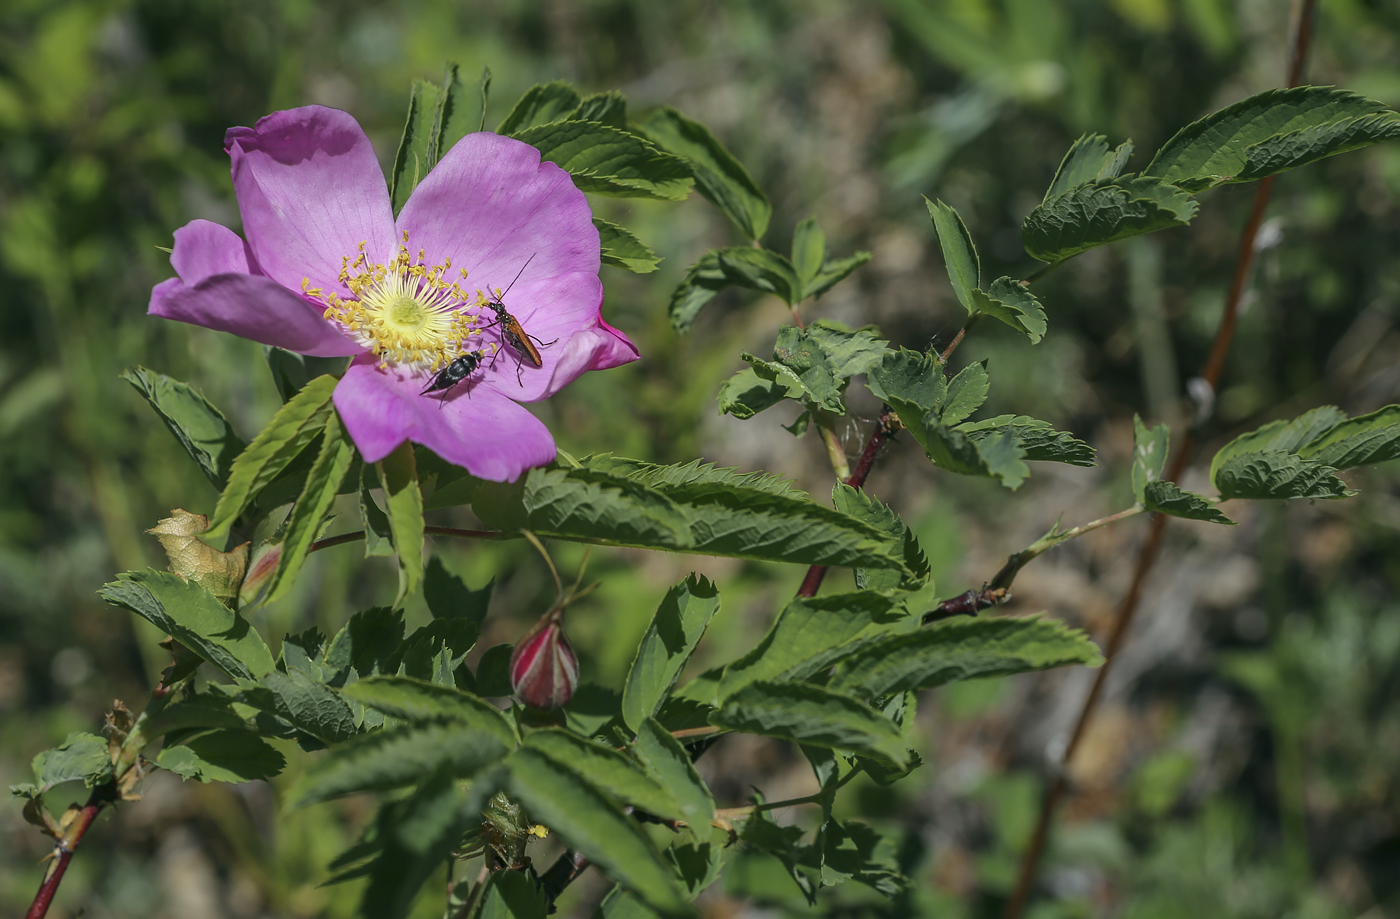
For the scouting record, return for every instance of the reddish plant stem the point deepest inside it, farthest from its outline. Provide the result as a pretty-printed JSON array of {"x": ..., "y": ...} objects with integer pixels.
[
  {"x": 343, "y": 538},
  {"x": 1212, "y": 372},
  {"x": 64, "y": 848},
  {"x": 883, "y": 431},
  {"x": 101, "y": 797},
  {"x": 813, "y": 581}
]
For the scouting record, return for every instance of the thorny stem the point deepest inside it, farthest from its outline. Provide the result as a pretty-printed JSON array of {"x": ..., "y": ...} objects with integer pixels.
[
  {"x": 108, "y": 793},
  {"x": 1214, "y": 367},
  {"x": 882, "y": 432}
]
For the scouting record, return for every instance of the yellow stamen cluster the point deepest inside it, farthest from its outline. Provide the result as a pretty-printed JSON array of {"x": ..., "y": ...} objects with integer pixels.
[{"x": 406, "y": 311}]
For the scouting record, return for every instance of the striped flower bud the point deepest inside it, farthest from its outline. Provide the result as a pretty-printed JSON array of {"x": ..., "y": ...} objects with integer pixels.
[{"x": 544, "y": 668}]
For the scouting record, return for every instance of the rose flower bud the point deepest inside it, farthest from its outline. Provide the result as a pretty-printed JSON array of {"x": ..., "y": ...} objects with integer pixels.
[{"x": 544, "y": 668}]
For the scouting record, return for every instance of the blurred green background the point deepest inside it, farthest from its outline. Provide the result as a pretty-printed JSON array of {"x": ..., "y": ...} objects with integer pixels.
[{"x": 1245, "y": 761}]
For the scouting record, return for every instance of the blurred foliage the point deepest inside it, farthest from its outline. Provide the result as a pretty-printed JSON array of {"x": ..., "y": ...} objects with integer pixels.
[{"x": 1260, "y": 776}]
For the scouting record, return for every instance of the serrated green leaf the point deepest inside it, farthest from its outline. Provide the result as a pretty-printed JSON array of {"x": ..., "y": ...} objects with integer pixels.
[
  {"x": 398, "y": 476},
  {"x": 808, "y": 251},
  {"x": 1310, "y": 144},
  {"x": 1149, "y": 455},
  {"x": 808, "y": 714},
  {"x": 608, "y": 161},
  {"x": 541, "y": 104},
  {"x": 595, "y": 828},
  {"x": 378, "y": 538},
  {"x": 760, "y": 269},
  {"x": 670, "y": 762},
  {"x": 911, "y": 377},
  {"x": 202, "y": 711},
  {"x": 462, "y": 110},
  {"x": 1103, "y": 212},
  {"x": 584, "y": 503},
  {"x": 746, "y": 394},
  {"x": 623, "y": 250},
  {"x": 781, "y": 843},
  {"x": 436, "y": 651},
  {"x": 367, "y": 644},
  {"x": 694, "y": 472},
  {"x": 959, "y": 253},
  {"x": 291, "y": 371},
  {"x": 811, "y": 634},
  {"x": 701, "y": 283},
  {"x": 610, "y": 108},
  {"x": 1088, "y": 160},
  {"x": 718, "y": 269},
  {"x": 195, "y": 618},
  {"x": 1359, "y": 441},
  {"x": 698, "y": 863},
  {"x": 833, "y": 272},
  {"x": 81, "y": 756},
  {"x": 291, "y": 430},
  {"x": 856, "y": 852},
  {"x": 417, "y": 701},
  {"x": 1041, "y": 442},
  {"x": 449, "y": 597},
  {"x": 703, "y": 516},
  {"x": 1270, "y": 132},
  {"x": 966, "y": 393},
  {"x": 962, "y": 649},
  {"x": 308, "y": 515},
  {"x": 752, "y": 523},
  {"x": 1287, "y": 436},
  {"x": 849, "y": 351},
  {"x": 720, "y": 177},
  {"x": 665, "y": 649},
  {"x": 418, "y": 143},
  {"x": 421, "y": 835},
  {"x": 399, "y": 756},
  {"x": 199, "y": 427},
  {"x": 1166, "y": 498},
  {"x": 513, "y": 895},
  {"x": 995, "y": 454},
  {"x": 807, "y": 379},
  {"x": 607, "y": 769},
  {"x": 303, "y": 702},
  {"x": 812, "y": 365},
  {"x": 858, "y": 504},
  {"x": 222, "y": 756},
  {"x": 1012, "y": 302},
  {"x": 1275, "y": 474}
]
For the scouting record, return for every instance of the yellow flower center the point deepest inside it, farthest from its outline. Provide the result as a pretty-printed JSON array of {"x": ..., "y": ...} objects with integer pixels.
[{"x": 407, "y": 312}]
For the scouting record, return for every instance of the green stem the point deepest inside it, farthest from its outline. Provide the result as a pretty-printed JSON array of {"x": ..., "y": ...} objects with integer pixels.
[
  {"x": 1046, "y": 269},
  {"x": 1016, "y": 562}
]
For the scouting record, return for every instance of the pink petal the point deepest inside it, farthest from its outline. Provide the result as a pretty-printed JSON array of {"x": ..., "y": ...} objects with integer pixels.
[
  {"x": 310, "y": 191},
  {"x": 203, "y": 249},
  {"x": 490, "y": 205},
  {"x": 253, "y": 307},
  {"x": 473, "y": 426},
  {"x": 561, "y": 313}
]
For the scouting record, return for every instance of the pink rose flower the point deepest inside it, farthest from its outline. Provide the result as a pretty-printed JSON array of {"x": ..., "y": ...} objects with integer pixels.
[{"x": 327, "y": 271}]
